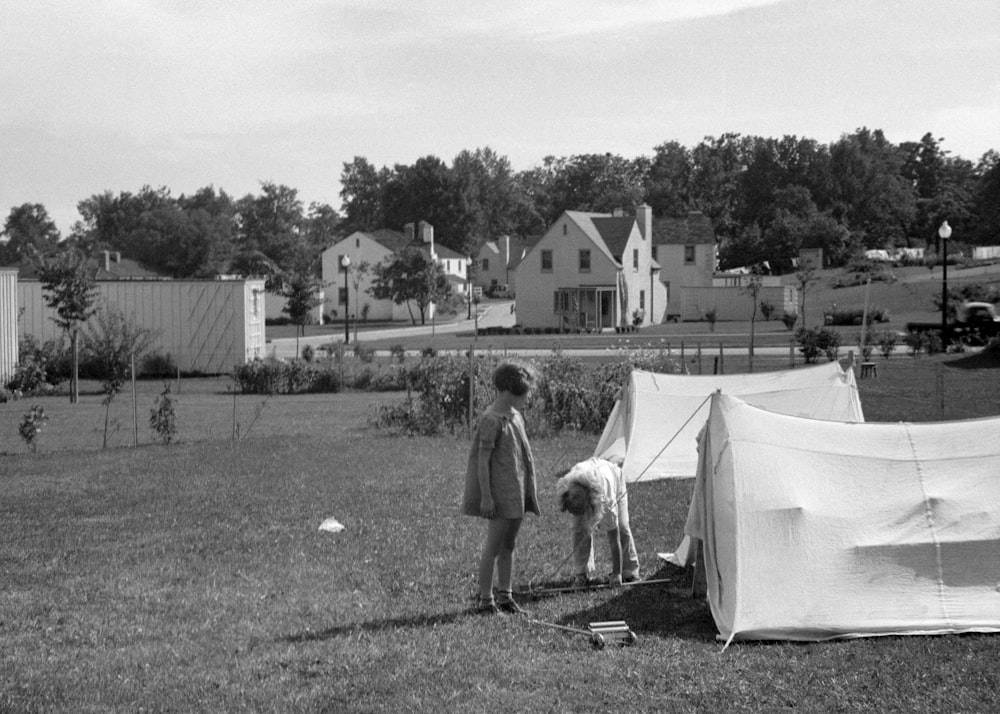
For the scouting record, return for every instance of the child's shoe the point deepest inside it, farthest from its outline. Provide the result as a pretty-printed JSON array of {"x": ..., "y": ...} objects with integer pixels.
[
  {"x": 485, "y": 607},
  {"x": 506, "y": 603},
  {"x": 511, "y": 607}
]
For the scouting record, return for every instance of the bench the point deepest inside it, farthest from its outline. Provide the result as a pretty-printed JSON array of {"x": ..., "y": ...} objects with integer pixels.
[{"x": 869, "y": 369}]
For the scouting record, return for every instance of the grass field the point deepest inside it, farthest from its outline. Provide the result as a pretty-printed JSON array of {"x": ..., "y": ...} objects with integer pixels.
[{"x": 193, "y": 577}]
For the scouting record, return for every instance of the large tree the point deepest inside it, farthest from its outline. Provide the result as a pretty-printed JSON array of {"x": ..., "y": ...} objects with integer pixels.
[
  {"x": 410, "y": 277},
  {"x": 668, "y": 180},
  {"x": 271, "y": 223},
  {"x": 28, "y": 229},
  {"x": 873, "y": 198},
  {"x": 362, "y": 188}
]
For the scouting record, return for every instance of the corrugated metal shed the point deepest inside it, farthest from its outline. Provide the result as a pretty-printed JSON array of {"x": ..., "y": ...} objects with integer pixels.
[
  {"x": 8, "y": 323},
  {"x": 206, "y": 326}
]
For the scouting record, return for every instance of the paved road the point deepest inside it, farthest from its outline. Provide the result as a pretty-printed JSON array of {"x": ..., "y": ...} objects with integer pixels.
[
  {"x": 494, "y": 314},
  {"x": 499, "y": 314}
]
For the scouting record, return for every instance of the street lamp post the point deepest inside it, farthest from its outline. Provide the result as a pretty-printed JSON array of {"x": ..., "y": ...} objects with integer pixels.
[
  {"x": 345, "y": 263},
  {"x": 944, "y": 232},
  {"x": 468, "y": 286}
]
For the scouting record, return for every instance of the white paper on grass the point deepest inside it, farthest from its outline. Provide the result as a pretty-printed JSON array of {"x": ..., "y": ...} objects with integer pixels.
[{"x": 331, "y": 525}]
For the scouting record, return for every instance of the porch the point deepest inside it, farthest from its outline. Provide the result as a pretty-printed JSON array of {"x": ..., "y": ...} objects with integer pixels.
[{"x": 588, "y": 308}]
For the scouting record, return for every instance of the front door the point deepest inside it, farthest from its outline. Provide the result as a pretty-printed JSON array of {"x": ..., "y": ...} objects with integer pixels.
[{"x": 607, "y": 309}]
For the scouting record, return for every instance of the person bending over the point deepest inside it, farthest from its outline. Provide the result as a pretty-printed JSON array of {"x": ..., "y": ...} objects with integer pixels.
[{"x": 594, "y": 492}]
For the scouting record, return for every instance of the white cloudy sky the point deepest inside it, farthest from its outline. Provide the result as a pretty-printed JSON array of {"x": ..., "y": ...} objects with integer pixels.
[{"x": 114, "y": 94}]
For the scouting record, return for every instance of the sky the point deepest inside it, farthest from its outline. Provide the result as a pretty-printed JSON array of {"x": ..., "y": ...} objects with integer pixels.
[{"x": 112, "y": 95}]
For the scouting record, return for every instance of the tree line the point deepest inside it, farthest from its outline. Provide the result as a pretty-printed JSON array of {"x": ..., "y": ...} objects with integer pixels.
[{"x": 766, "y": 198}]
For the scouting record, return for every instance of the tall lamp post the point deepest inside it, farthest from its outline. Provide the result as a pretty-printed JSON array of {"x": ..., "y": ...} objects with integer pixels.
[
  {"x": 944, "y": 232},
  {"x": 345, "y": 263},
  {"x": 468, "y": 285}
]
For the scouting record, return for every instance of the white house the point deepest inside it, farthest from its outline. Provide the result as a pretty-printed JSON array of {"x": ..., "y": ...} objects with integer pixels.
[
  {"x": 687, "y": 253},
  {"x": 592, "y": 270},
  {"x": 367, "y": 249},
  {"x": 497, "y": 261}
]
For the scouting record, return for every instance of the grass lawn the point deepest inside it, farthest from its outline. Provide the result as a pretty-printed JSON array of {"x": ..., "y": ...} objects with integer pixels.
[{"x": 193, "y": 577}]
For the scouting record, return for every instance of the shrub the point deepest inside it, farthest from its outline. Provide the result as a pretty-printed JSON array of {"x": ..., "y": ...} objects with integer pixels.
[
  {"x": 887, "y": 343},
  {"x": 398, "y": 353},
  {"x": 428, "y": 352},
  {"x": 261, "y": 376},
  {"x": 915, "y": 342},
  {"x": 789, "y": 319},
  {"x": 40, "y": 367},
  {"x": 766, "y": 309},
  {"x": 308, "y": 353},
  {"x": 363, "y": 352},
  {"x": 158, "y": 366},
  {"x": 933, "y": 343},
  {"x": 711, "y": 316},
  {"x": 111, "y": 340},
  {"x": 569, "y": 393},
  {"x": 162, "y": 417},
  {"x": 853, "y": 315},
  {"x": 816, "y": 341},
  {"x": 31, "y": 426},
  {"x": 866, "y": 340}
]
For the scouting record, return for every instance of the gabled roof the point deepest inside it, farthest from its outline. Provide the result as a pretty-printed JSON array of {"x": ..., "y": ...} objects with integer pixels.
[
  {"x": 614, "y": 231},
  {"x": 447, "y": 253},
  {"x": 525, "y": 245},
  {"x": 694, "y": 228},
  {"x": 388, "y": 238}
]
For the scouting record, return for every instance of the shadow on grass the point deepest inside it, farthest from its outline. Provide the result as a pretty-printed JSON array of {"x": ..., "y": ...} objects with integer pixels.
[
  {"x": 659, "y": 609},
  {"x": 979, "y": 360},
  {"x": 377, "y": 626}
]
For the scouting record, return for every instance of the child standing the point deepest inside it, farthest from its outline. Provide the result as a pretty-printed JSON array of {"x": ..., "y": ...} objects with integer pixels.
[
  {"x": 500, "y": 484},
  {"x": 594, "y": 492}
]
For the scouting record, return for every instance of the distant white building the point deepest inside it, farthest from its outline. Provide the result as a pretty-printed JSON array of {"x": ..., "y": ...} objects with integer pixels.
[
  {"x": 204, "y": 326},
  {"x": 8, "y": 323},
  {"x": 366, "y": 250}
]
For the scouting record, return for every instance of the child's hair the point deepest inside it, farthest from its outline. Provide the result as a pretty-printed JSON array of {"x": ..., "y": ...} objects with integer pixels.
[
  {"x": 590, "y": 482},
  {"x": 513, "y": 378}
]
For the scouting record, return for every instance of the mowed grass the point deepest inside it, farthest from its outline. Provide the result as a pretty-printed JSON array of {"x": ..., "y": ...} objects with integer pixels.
[{"x": 193, "y": 577}]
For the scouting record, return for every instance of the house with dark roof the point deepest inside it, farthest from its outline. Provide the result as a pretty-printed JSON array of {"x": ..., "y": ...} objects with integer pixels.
[
  {"x": 497, "y": 261},
  {"x": 593, "y": 271},
  {"x": 687, "y": 252},
  {"x": 365, "y": 250}
]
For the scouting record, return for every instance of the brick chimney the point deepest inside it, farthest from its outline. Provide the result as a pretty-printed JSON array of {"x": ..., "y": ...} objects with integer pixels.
[
  {"x": 426, "y": 232},
  {"x": 644, "y": 217}
]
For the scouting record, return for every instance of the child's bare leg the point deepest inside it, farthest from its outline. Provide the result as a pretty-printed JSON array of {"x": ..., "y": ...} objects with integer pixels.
[
  {"x": 583, "y": 547},
  {"x": 505, "y": 558},
  {"x": 497, "y": 538}
]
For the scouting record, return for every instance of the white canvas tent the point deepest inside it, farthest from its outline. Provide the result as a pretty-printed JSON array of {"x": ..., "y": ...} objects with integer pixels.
[
  {"x": 815, "y": 530},
  {"x": 657, "y": 419}
]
